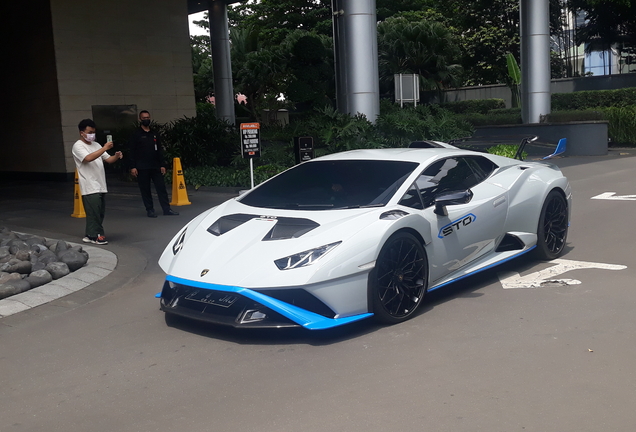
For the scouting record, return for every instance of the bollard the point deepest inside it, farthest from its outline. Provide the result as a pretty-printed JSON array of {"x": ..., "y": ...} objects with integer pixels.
[
  {"x": 179, "y": 192},
  {"x": 78, "y": 205}
]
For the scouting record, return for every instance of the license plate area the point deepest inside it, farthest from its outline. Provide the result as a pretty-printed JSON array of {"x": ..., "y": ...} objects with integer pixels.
[{"x": 215, "y": 298}]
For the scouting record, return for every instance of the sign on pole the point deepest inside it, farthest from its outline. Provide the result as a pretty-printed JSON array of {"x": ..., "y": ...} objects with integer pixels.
[
  {"x": 303, "y": 149},
  {"x": 251, "y": 144},
  {"x": 250, "y": 140}
]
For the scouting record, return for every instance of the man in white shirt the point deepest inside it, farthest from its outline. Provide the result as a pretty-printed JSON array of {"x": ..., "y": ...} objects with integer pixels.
[{"x": 89, "y": 159}]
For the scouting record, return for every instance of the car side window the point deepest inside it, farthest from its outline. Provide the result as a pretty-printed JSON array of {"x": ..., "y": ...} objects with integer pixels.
[
  {"x": 412, "y": 198},
  {"x": 451, "y": 174}
]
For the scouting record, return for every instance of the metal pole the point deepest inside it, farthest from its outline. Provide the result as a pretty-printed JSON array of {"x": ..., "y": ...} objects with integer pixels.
[
  {"x": 252, "y": 172},
  {"x": 535, "y": 59},
  {"x": 361, "y": 57},
  {"x": 416, "y": 89},
  {"x": 221, "y": 61}
]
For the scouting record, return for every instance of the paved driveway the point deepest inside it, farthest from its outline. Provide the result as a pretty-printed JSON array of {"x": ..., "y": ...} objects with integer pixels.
[{"x": 478, "y": 357}]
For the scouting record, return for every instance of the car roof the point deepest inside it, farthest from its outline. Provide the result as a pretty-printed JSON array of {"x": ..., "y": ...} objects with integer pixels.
[{"x": 418, "y": 155}]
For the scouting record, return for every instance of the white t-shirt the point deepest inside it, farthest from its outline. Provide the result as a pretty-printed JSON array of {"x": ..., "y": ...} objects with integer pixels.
[{"x": 92, "y": 178}]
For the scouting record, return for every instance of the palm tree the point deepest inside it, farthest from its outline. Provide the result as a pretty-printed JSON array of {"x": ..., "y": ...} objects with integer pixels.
[{"x": 421, "y": 47}]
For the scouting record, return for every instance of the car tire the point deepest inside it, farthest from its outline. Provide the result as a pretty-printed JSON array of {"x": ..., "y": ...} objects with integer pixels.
[
  {"x": 552, "y": 231},
  {"x": 399, "y": 280}
]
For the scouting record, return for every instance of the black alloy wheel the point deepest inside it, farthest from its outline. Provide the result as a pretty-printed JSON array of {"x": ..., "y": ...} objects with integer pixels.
[
  {"x": 553, "y": 227},
  {"x": 400, "y": 279}
]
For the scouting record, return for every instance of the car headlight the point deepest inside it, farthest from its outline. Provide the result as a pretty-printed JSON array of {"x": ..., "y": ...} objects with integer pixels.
[
  {"x": 305, "y": 258},
  {"x": 178, "y": 244}
]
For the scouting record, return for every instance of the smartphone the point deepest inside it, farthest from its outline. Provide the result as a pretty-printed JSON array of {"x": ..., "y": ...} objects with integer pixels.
[{"x": 109, "y": 138}]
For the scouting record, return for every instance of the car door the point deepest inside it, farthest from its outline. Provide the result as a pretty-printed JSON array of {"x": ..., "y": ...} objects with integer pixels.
[{"x": 468, "y": 231}]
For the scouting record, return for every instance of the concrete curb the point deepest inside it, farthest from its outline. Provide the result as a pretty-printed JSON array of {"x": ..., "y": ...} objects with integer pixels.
[{"x": 101, "y": 263}]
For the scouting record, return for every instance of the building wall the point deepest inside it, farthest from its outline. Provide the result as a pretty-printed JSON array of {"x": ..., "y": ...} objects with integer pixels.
[
  {"x": 30, "y": 134},
  {"x": 71, "y": 55}
]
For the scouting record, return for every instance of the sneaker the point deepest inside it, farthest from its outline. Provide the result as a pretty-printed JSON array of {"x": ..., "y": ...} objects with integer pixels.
[
  {"x": 100, "y": 240},
  {"x": 170, "y": 212},
  {"x": 87, "y": 239}
]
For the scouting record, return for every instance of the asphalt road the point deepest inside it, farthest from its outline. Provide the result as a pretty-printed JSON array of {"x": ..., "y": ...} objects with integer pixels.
[{"x": 477, "y": 358}]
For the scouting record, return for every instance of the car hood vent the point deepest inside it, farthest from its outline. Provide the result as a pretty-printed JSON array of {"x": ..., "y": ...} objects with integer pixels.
[
  {"x": 285, "y": 227},
  {"x": 228, "y": 223}
]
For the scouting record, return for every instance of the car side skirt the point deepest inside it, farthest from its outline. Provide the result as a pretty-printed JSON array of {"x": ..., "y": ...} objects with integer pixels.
[{"x": 480, "y": 267}]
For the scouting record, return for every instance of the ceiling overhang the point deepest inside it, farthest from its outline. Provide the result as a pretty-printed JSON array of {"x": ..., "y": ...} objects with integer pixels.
[{"x": 195, "y": 6}]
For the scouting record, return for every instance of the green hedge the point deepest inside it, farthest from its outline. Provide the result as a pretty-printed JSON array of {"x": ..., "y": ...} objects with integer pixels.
[
  {"x": 622, "y": 125},
  {"x": 594, "y": 99},
  {"x": 480, "y": 106}
]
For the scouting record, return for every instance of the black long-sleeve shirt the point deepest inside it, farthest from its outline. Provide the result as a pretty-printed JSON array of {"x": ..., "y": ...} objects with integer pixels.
[{"x": 145, "y": 149}]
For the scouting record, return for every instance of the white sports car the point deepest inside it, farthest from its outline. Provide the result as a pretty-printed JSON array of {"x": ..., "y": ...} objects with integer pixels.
[{"x": 362, "y": 233}]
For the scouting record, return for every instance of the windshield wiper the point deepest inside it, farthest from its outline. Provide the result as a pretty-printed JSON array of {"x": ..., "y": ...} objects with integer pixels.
[
  {"x": 301, "y": 206},
  {"x": 363, "y": 206}
]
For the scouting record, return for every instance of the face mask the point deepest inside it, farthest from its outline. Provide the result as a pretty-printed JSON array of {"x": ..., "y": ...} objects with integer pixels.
[
  {"x": 145, "y": 122},
  {"x": 90, "y": 137}
]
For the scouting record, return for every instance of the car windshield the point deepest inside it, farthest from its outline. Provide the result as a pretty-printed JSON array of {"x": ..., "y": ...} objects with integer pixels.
[{"x": 336, "y": 184}]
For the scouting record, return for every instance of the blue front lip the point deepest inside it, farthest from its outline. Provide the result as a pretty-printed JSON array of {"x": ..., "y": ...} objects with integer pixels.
[{"x": 302, "y": 317}]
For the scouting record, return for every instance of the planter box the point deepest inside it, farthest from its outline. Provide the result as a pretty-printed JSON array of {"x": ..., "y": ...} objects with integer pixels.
[{"x": 584, "y": 138}]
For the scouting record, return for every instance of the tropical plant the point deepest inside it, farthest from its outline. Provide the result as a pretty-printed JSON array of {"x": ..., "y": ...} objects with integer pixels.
[
  {"x": 514, "y": 73},
  {"x": 425, "y": 48}
]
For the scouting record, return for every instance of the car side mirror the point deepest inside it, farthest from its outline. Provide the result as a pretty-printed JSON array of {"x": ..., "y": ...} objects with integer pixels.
[{"x": 451, "y": 198}]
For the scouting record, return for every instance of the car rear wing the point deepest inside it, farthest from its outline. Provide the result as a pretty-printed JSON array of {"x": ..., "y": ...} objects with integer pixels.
[{"x": 528, "y": 144}]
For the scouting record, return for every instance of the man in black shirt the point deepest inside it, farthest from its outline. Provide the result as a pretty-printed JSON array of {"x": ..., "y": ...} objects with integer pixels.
[{"x": 147, "y": 164}]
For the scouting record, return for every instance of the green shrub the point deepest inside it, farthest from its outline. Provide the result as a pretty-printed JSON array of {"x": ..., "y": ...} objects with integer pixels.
[
  {"x": 200, "y": 141},
  {"x": 594, "y": 99},
  {"x": 505, "y": 111},
  {"x": 507, "y": 150},
  {"x": 480, "y": 106},
  {"x": 490, "y": 120},
  {"x": 622, "y": 125}
]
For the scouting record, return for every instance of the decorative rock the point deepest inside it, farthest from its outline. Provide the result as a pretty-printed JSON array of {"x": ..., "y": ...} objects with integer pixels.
[
  {"x": 16, "y": 266},
  {"x": 6, "y": 277},
  {"x": 16, "y": 245},
  {"x": 41, "y": 259},
  {"x": 73, "y": 259},
  {"x": 39, "y": 247},
  {"x": 7, "y": 290},
  {"x": 4, "y": 251},
  {"x": 49, "y": 243},
  {"x": 38, "y": 278},
  {"x": 37, "y": 265},
  {"x": 35, "y": 240},
  {"x": 14, "y": 287},
  {"x": 46, "y": 257},
  {"x": 60, "y": 247},
  {"x": 23, "y": 255},
  {"x": 57, "y": 269},
  {"x": 79, "y": 249}
]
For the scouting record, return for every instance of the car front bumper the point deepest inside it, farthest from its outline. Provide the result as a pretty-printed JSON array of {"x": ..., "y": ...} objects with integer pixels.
[{"x": 243, "y": 307}]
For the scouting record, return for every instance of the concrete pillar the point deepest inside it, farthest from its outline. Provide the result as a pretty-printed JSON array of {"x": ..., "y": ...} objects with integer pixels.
[
  {"x": 221, "y": 61},
  {"x": 356, "y": 46},
  {"x": 535, "y": 59}
]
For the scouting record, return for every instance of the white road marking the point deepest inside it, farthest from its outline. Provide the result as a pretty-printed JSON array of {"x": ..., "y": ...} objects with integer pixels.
[
  {"x": 549, "y": 276},
  {"x": 613, "y": 196}
]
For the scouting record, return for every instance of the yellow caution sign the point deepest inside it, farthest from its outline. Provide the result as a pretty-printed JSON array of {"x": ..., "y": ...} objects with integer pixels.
[
  {"x": 179, "y": 192},
  {"x": 78, "y": 205}
]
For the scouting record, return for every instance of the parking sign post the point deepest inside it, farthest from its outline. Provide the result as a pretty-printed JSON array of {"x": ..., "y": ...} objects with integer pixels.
[{"x": 251, "y": 144}]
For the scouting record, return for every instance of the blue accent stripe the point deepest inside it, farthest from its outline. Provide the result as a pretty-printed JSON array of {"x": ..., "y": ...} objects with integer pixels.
[
  {"x": 305, "y": 318},
  {"x": 481, "y": 270}
]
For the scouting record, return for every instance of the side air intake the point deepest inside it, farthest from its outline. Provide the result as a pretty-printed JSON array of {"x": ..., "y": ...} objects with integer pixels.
[{"x": 509, "y": 243}]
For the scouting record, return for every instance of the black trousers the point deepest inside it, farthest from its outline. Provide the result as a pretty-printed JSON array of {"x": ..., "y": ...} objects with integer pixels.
[
  {"x": 144, "y": 177},
  {"x": 95, "y": 208}
]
